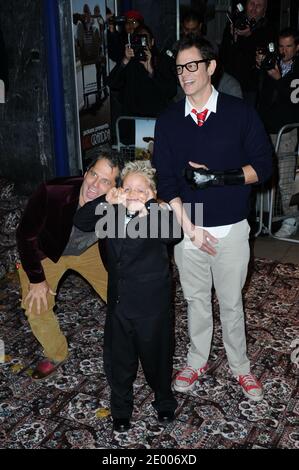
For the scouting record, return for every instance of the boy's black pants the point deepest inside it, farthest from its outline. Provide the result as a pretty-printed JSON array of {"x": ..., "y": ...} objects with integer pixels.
[{"x": 149, "y": 339}]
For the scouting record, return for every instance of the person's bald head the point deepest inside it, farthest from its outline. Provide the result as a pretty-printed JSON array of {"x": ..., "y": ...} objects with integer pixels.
[{"x": 256, "y": 9}]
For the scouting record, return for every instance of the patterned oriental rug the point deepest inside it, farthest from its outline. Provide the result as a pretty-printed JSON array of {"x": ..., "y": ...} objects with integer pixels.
[{"x": 71, "y": 408}]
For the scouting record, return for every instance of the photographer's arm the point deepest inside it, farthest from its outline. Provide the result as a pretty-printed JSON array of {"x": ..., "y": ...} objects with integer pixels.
[
  {"x": 281, "y": 85},
  {"x": 275, "y": 73},
  {"x": 116, "y": 79},
  {"x": 227, "y": 49},
  {"x": 114, "y": 44},
  {"x": 164, "y": 78},
  {"x": 245, "y": 33},
  {"x": 129, "y": 54},
  {"x": 147, "y": 64}
]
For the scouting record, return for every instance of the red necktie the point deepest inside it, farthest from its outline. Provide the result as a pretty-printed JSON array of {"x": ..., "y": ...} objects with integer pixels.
[{"x": 200, "y": 116}]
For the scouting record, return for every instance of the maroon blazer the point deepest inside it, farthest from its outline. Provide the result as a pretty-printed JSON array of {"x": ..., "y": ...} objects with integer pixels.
[{"x": 46, "y": 225}]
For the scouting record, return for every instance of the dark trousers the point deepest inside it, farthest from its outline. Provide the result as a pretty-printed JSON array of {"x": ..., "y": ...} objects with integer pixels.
[{"x": 149, "y": 339}]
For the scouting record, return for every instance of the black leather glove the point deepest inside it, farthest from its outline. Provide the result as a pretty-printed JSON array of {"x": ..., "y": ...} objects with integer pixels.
[{"x": 200, "y": 178}]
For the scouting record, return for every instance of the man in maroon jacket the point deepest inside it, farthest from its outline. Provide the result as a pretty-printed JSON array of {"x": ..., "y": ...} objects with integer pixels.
[{"x": 49, "y": 245}]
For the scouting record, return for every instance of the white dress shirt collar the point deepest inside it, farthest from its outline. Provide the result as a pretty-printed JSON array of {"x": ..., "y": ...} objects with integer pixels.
[{"x": 211, "y": 105}]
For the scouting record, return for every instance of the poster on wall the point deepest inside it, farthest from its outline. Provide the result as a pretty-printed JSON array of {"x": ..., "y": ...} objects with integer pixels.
[
  {"x": 144, "y": 138},
  {"x": 91, "y": 64}
]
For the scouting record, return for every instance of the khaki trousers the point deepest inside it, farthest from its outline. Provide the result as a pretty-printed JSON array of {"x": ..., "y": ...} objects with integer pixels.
[
  {"x": 287, "y": 162},
  {"x": 227, "y": 270},
  {"x": 45, "y": 326}
]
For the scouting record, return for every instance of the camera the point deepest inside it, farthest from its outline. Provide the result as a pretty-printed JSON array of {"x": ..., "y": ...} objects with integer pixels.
[
  {"x": 117, "y": 20},
  {"x": 138, "y": 42},
  {"x": 239, "y": 19},
  {"x": 271, "y": 56}
]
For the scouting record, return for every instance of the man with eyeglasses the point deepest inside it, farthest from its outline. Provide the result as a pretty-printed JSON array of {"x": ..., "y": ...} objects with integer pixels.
[
  {"x": 49, "y": 245},
  {"x": 209, "y": 149}
]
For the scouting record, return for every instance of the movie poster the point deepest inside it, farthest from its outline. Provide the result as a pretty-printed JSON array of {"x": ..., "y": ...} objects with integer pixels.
[
  {"x": 91, "y": 69},
  {"x": 144, "y": 138}
]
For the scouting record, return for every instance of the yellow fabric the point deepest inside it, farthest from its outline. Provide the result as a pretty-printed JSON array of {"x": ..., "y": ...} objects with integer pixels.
[{"x": 45, "y": 326}]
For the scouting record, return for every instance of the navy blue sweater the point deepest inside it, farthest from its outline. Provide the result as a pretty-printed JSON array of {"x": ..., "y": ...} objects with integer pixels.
[{"x": 232, "y": 137}]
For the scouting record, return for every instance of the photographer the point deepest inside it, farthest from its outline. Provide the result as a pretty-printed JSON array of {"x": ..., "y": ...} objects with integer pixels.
[
  {"x": 131, "y": 20},
  {"x": 144, "y": 78},
  {"x": 240, "y": 41},
  {"x": 277, "y": 109}
]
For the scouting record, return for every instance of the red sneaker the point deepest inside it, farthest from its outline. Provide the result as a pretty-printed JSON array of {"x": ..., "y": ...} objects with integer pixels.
[
  {"x": 45, "y": 368},
  {"x": 251, "y": 387},
  {"x": 186, "y": 378}
]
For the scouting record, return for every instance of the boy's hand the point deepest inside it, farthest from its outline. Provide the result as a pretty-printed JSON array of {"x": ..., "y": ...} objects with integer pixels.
[
  {"x": 150, "y": 194},
  {"x": 116, "y": 196}
]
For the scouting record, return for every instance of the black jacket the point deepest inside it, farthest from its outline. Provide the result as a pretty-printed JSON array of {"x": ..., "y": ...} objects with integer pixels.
[
  {"x": 139, "y": 281},
  {"x": 239, "y": 58},
  {"x": 46, "y": 225},
  {"x": 276, "y": 104},
  {"x": 139, "y": 93}
]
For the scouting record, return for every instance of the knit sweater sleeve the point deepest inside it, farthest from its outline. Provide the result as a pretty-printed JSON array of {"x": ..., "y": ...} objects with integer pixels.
[
  {"x": 163, "y": 161},
  {"x": 257, "y": 146}
]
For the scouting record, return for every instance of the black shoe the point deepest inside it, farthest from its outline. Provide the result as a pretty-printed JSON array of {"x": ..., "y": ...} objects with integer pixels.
[
  {"x": 121, "y": 424},
  {"x": 165, "y": 416}
]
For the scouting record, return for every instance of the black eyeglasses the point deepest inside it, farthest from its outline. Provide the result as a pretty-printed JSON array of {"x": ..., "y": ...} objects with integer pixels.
[{"x": 190, "y": 66}]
